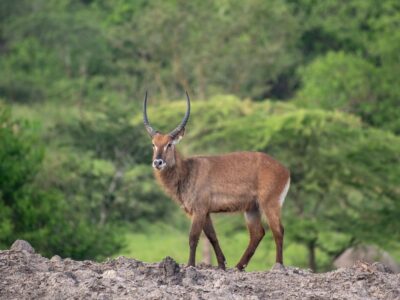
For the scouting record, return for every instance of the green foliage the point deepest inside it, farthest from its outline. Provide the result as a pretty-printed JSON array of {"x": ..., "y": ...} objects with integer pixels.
[
  {"x": 350, "y": 26},
  {"x": 42, "y": 216},
  {"x": 24, "y": 73},
  {"x": 53, "y": 49},
  {"x": 19, "y": 158},
  {"x": 317, "y": 144},
  {"x": 338, "y": 81},
  {"x": 349, "y": 83},
  {"x": 175, "y": 45},
  {"x": 353, "y": 48}
]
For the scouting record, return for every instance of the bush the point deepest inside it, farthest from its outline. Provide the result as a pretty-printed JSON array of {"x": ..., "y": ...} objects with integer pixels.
[
  {"x": 337, "y": 81},
  {"x": 44, "y": 217}
]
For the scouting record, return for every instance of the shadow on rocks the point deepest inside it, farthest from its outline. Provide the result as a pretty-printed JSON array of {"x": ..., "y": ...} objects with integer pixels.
[{"x": 171, "y": 270}]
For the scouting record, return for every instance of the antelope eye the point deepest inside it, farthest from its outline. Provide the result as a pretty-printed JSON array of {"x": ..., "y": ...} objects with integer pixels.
[
  {"x": 168, "y": 146},
  {"x": 153, "y": 145}
]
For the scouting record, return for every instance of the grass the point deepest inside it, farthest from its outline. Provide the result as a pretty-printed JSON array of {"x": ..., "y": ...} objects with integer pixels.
[{"x": 161, "y": 240}]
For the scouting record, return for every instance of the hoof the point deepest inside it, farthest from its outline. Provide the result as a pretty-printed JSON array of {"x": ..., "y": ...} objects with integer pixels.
[
  {"x": 240, "y": 268},
  {"x": 222, "y": 267},
  {"x": 278, "y": 267}
]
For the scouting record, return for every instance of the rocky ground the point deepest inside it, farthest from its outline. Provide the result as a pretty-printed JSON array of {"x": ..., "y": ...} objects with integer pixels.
[{"x": 26, "y": 275}]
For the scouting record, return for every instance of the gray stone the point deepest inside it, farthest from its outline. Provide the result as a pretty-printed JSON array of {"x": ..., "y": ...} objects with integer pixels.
[
  {"x": 21, "y": 245},
  {"x": 169, "y": 266},
  {"x": 368, "y": 254},
  {"x": 56, "y": 258},
  {"x": 25, "y": 276}
]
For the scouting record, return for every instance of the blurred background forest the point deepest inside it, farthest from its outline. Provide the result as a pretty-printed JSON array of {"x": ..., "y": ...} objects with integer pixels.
[{"x": 316, "y": 84}]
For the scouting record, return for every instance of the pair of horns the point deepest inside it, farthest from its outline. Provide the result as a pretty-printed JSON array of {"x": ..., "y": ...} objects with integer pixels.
[{"x": 174, "y": 132}]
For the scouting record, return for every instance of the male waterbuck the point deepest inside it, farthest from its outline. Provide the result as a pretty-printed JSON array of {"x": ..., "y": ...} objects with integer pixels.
[{"x": 249, "y": 182}]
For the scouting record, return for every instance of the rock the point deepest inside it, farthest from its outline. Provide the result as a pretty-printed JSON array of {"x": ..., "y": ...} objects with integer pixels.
[
  {"x": 111, "y": 274},
  {"x": 25, "y": 276},
  {"x": 368, "y": 254},
  {"x": 169, "y": 266},
  {"x": 219, "y": 282},
  {"x": 278, "y": 267},
  {"x": 21, "y": 245},
  {"x": 56, "y": 258},
  {"x": 156, "y": 294},
  {"x": 380, "y": 267},
  {"x": 192, "y": 276}
]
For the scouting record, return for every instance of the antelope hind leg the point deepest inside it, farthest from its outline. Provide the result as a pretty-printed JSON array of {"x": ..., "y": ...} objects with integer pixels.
[{"x": 256, "y": 231}]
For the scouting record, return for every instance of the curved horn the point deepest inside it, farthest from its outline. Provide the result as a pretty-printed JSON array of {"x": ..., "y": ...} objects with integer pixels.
[
  {"x": 149, "y": 129},
  {"x": 185, "y": 119}
]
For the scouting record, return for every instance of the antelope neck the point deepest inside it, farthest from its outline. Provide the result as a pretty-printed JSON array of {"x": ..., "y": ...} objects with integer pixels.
[{"x": 173, "y": 178}]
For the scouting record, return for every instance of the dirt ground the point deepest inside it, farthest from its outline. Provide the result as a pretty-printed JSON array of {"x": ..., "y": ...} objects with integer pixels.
[{"x": 27, "y": 275}]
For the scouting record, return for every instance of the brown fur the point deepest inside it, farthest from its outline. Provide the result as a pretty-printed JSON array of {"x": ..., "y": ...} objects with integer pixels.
[{"x": 249, "y": 182}]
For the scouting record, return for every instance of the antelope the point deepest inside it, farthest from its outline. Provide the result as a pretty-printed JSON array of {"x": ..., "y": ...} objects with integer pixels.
[{"x": 249, "y": 182}]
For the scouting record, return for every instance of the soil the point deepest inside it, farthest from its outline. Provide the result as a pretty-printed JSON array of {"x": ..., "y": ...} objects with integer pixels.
[{"x": 27, "y": 275}]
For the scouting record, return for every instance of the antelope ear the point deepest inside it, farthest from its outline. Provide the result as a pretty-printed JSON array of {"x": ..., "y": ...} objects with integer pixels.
[{"x": 178, "y": 137}]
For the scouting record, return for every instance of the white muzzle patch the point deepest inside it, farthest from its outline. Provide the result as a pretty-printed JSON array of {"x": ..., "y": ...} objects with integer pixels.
[{"x": 159, "y": 164}]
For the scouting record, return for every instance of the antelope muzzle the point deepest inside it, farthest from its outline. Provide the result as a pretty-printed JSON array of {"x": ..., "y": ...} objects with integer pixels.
[{"x": 159, "y": 164}]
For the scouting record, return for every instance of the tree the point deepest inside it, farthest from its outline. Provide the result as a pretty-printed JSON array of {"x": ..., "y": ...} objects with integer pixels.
[
  {"x": 351, "y": 84},
  {"x": 52, "y": 50},
  {"x": 205, "y": 46},
  {"x": 338, "y": 81},
  {"x": 351, "y": 48}
]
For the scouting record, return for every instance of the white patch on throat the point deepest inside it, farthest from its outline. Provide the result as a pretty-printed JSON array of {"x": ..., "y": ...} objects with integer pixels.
[{"x": 284, "y": 192}]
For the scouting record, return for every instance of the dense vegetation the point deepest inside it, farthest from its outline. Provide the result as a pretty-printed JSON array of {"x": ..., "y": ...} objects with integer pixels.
[{"x": 314, "y": 83}]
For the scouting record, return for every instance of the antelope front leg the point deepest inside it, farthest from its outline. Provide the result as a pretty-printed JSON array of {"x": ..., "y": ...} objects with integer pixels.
[
  {"x": 198, "y": 221},
  {"x": 212, "y": 237}
]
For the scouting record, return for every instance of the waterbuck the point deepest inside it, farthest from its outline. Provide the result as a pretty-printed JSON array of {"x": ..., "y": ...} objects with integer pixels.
[{"x": 249, "y": 182}]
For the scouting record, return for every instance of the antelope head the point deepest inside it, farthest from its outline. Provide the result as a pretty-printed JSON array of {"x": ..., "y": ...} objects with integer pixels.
[{"x": 164, "y": 154}]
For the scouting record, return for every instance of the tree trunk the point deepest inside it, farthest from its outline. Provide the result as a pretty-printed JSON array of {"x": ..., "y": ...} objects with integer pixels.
[
  {"x": 201, "y": 82},
  {"x": 109, "y": 196},
  {"x": 312, "y": 264}
]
